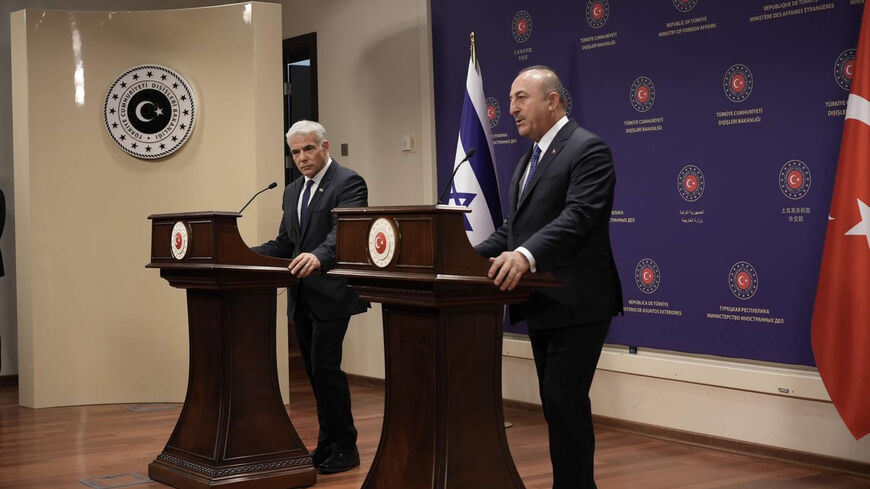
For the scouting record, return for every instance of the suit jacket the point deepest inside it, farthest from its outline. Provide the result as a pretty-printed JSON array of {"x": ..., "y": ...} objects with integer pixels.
[
  {"x": 563, "y": 219},
  {"x": 327, "y": 297}
]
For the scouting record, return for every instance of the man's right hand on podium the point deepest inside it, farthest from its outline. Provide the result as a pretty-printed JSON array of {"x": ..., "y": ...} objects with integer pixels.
[{"x": 303, "y": 265}]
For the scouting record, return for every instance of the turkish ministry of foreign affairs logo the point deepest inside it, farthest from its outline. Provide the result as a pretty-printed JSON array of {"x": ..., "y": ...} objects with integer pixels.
[
  {"x": 737, "y": 83},
  {"x": 844, "y": 69},
  {"x": 150, "y": 111},
  {"x": 383, "y": 238},
  {"x": 597, "y": 12},
  {"x": 647, "y": 276},
  {"x": 522, "y": 26},
  {"x": 743, "y": 280},
  {"x": 179, "y": 240},
  {"x": 642, "y": 94},
  {"x": 569, "y": 104},
  {"x": 685, "y": 5},
  {"x": 493, "y": 111},
  {"x": 795, "y": 179},
  {"x": 690, "y": 183}
]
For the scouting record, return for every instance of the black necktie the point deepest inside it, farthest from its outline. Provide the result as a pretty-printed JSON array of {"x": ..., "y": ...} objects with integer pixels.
[{"x": 306, "y": 195}]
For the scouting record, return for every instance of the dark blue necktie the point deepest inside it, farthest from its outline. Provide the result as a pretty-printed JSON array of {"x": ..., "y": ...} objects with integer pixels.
[
  {"x": 306, "y": 195},
  {"x": 536, "y": 154}
]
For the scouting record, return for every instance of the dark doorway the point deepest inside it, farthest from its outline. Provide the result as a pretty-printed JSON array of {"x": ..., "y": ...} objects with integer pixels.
[
  {"x": 300, "y": 89},
  {"x": 300, "y": 102}
]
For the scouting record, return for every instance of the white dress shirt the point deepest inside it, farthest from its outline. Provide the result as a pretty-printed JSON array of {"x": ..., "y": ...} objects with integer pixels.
[{"x": 314, "y": 186}]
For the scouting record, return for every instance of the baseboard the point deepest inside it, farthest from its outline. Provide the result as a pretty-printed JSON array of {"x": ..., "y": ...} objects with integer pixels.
[
  {"x": 364, "y": 380},
  {"x": 8, "y": 380},
  {"x": 823, "y": 462}
]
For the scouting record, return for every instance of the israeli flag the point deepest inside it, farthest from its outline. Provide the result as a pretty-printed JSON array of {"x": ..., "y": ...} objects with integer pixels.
[{"x": 475, "y": 185}]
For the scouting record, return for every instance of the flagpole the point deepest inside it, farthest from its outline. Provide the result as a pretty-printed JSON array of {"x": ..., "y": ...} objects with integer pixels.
[{"x": 473, "y": 50}]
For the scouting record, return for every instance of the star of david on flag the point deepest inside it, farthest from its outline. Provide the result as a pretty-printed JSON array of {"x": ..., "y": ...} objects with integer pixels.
[{"x": 475, "y": 185}]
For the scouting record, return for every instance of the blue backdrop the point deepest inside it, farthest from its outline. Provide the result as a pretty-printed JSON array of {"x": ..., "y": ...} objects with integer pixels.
[{"x": 725, "y": 121}]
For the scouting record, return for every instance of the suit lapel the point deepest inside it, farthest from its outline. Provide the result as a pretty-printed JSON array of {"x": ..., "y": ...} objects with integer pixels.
[
  {"x": 514, "y": 194},
  {"x": 552, "y": 153},
  {"x": 293, "y": 202}
]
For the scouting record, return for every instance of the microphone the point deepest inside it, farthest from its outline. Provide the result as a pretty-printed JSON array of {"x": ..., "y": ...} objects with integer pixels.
[
  {"x": 270, "y": 187},
  {"x": 468, "y": 155}
]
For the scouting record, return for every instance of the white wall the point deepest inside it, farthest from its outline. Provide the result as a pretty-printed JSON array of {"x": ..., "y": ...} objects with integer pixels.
[
  {"x": 96, "y": 326},
  {"x": 8, "y": 308},
  {"x": 374, "y": 76}
]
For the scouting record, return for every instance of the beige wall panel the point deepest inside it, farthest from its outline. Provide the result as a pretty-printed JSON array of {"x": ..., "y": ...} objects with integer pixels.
[{"x": 102, "y": 328}]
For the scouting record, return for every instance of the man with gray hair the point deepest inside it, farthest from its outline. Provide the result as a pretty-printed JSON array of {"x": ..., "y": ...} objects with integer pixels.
[
  {"x": 561, "y": 196},
  {"x": 320, "y": 305}
]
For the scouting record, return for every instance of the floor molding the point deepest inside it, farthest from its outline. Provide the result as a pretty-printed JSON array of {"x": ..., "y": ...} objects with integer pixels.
[
  {"x": 364, "y": 380},
  {"x": 823, "y": 462}
]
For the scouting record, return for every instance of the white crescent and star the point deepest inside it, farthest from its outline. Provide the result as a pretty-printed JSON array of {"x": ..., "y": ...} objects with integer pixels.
[
  {"x": 158, "y": 111},
  {"x": 737, "y": 83},
  {"x": 794, "y": 180},
  {"x": 863, "y": 227},
  {"x": 139, "y": 110}
]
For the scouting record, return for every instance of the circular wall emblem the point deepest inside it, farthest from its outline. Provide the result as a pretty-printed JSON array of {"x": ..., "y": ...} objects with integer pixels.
[
  {"x": 690, "y": 183},
  {"x": 844, "y": 69},
  {"x": 493, "y": 111},
  {"x": 150, "y": 111},
  {"x": 382, "y": 241},
  {"x": 743, "y": 280},
  {"x": 597, "y": 12},
  {"x": 685, "y": 5},
  {"x": 178, "y": 240},
  {"x": 522, "y": 26},
  {"x": 737, "y": 83},
  {"x": 795, "y": 179},
  {"x": 642, "y": 94},
  {"x": 647, "y": 276},
  {"x": 569, "y": 104}
]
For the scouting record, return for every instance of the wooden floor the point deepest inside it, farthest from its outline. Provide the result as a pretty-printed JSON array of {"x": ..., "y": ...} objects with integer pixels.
[{"x": 55, "y": 448}]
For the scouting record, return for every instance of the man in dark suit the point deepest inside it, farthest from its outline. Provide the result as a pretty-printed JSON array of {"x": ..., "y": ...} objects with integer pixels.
[
  {"x": 320, "y": 305},
  {"x": 561, "y": 196}
]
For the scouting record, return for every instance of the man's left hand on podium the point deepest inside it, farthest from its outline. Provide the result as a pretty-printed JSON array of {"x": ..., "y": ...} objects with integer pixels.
[{"x": 303, "y": 265}]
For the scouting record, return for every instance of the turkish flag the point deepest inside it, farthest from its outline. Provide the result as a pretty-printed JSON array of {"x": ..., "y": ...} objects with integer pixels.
[{"x": 841, "y": 318}]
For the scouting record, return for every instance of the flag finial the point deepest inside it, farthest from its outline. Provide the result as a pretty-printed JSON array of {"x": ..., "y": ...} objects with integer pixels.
[{"x": 473, "y": 50}]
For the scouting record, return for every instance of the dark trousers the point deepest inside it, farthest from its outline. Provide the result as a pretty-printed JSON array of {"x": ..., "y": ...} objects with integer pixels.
[
  {"x": 565, "y": 359},
  {"x": 321, "y": 344}
]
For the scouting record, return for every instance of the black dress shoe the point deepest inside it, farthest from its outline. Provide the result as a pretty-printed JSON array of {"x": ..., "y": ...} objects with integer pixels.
[
  {"x": 320, "y": 454},
  {"x": 341, "y": 459}
]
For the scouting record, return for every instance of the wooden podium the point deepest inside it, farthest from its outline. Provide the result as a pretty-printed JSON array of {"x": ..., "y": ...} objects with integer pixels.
[
  {"x": 443, "y": 422},
  {"x": 233, "y": 431}
]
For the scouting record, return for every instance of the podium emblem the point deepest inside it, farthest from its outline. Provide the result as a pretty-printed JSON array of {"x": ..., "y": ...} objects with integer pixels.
[
  {"x": 179, "y": 240},
  {"x": 382, "y": 242}
]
